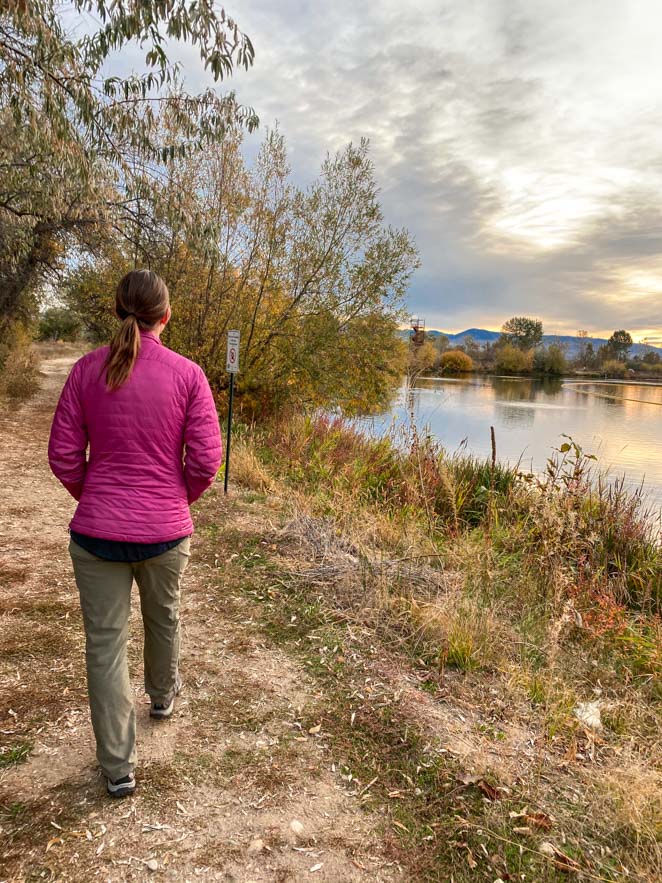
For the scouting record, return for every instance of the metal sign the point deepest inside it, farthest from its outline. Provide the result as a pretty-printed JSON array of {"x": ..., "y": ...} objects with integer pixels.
[
  {"x": 232, "y": 358},
  {"x": 231, "y": 365}
]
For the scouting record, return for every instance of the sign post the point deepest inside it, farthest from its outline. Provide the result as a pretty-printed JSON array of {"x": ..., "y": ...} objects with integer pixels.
[{"x": 231, "y": 365}]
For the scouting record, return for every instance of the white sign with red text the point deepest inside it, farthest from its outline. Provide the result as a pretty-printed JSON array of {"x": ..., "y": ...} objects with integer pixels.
[{"x": 232, "y": 358}]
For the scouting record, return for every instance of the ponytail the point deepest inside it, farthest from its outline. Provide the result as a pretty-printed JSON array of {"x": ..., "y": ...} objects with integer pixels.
[
  {"x": 141, "y": 301},
  {"x": 124, "y": 349}
]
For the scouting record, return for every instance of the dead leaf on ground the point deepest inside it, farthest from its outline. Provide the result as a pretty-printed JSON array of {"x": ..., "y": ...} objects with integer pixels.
[
  {"x": 488, "y": 790},
  {"x": 492, "y": 792},
  {"x": 540, "y": 820},
  {"x": 559, "y": 859}
]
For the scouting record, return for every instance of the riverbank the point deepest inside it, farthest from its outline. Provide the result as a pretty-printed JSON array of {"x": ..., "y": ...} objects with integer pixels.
[
  {"x": 619, "y": 423},
  {"x": 384, "y": 650},
  {"x": 533, "y": 604},
  {"x": 651, "y": 379}
]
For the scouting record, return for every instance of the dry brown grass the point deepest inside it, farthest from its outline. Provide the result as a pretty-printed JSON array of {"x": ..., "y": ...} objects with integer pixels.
[
  {"x": 53, "y": 349},
  {"x": 633, "y": 798},
  {"x": 469, "y": 601},
  {"x": 19, "y": 377},
  {"x": 247, "y": 470}
]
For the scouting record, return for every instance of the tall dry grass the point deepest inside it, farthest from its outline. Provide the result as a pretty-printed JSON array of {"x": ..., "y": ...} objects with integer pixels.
[{"x": 549, "y": 583}]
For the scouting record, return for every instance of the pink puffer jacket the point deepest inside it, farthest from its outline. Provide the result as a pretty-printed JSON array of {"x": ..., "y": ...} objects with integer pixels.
[{"x": 154, "y": 445}]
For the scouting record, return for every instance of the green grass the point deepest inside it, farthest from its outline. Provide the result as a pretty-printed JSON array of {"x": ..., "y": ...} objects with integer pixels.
[{"x": 14, "y": 755}]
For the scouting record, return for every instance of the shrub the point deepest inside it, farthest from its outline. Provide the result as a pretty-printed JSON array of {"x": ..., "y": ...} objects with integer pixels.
[
  {"x": 511, "y": 360},
  {"x": 550, "y": 360},
  {"x": 614, "y": 368},
  {"x": 456, "y": 362},
  {"x": 18, "y": 377},
  {"x": 18, "y": 365}
]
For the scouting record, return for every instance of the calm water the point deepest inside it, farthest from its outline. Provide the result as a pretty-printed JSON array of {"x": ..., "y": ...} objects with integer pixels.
[{"x": 621, "y": 423}]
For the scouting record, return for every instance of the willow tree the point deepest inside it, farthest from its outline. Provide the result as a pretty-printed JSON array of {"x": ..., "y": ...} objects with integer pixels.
[
  {"x": 313, "y": 278},
  {"x": 75, "y": 141}
]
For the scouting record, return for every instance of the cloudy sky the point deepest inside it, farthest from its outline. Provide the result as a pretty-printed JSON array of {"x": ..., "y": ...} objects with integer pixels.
[{"x": 520, "y": 141}]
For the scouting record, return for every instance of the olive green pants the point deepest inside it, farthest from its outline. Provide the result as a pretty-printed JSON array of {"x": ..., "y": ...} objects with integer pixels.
[{"x": 105, "y": 598}]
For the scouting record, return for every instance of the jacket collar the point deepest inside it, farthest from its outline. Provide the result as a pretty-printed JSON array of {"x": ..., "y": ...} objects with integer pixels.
[{"x": 151, "y": 336}]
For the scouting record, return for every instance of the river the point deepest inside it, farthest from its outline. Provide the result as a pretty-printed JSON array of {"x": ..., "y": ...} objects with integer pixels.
[{"x": 619, "y": 422}]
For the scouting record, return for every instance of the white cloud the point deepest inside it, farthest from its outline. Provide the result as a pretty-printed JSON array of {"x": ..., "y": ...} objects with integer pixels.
[{"x": 518, "y": 140}]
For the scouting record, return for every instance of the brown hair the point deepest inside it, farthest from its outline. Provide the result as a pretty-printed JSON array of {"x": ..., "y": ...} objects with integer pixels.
[{"x": 141, "y": 300}]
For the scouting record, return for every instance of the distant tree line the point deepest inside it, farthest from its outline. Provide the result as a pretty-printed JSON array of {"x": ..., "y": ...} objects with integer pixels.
[{"x": 520, "y": 350}]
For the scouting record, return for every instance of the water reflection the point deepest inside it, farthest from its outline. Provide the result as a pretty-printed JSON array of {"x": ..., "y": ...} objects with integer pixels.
[{"x": 619, "y": 422}]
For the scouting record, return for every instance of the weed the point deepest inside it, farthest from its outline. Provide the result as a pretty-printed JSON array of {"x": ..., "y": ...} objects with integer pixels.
[
  {"x": 18, "y": 365},
  {"x": 15, "y": 754},
  {"x": 12, "y": 811}
]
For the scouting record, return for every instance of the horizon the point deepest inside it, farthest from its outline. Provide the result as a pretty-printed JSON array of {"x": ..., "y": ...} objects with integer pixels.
[{"x": 546, "y": 333}]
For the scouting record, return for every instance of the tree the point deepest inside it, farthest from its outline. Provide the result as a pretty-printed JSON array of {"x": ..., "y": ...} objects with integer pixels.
[
  {"x": 619, "y": 345},
  {"x": 313, "y": 279},
  {"x": 550, "y": 360},
  {"x": 522, "y": 332},
  {"x": 423, "y": 358},
  {"x": 49, "y": 76},
  {"x": 581, "y": 359},
  {"x": 58, "y": 323},
  {"x": 512, "y": 360},
  {"x": 456, "y": 362},
  {"x": 441, "y": 343},
  {"x": 471, "y": 348},
  {"x": 590, "y": 360},
  {"x": 75, "y": 142}
]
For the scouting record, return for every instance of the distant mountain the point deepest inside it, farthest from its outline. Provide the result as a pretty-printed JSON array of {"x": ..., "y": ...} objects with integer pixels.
[
  {"x": 480, "y": 335},
  {"x": 571, "y": 343}
]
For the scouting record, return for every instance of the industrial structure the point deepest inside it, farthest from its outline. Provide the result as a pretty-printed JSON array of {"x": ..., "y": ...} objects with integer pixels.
[{"x": 418, "y": 328}]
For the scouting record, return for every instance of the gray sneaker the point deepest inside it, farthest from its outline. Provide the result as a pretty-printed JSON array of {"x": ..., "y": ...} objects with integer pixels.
[
  {"x": 163, "y": 710},
  {"x": 121, "y": 787}
]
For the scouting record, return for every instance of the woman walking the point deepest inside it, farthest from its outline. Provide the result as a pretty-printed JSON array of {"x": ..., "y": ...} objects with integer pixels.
[{"x": 148, "y": 417}]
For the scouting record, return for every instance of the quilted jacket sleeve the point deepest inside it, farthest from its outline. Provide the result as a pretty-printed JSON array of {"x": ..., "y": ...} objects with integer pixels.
[
  {"x": 202, "y": 438},
  {"x": 68, "y": 439}
]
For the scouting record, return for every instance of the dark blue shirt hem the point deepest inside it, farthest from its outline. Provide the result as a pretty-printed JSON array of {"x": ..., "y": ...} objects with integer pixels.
[{"x": 118, "y": 550}]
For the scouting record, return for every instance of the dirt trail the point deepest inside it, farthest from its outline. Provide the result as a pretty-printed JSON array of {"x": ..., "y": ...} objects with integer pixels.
[{"x": 222, "y": 782}]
